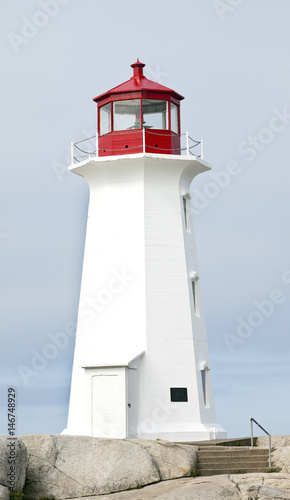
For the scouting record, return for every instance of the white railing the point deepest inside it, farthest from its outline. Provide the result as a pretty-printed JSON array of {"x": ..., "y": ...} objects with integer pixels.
[
  {"x": 84, "y": 149},
  {"x": 191, "y": 144},
  {"x": 88, "y": 148}
]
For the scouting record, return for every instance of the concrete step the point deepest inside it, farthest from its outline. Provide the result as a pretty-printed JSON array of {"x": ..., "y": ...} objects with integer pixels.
[
  {"x": 231, "y": 459},
  {"x": 237, "y": 449},
  {"x": 233, "y": 470},
  {"x": 212, "y": 464},
  {"x": 229, "y": 453},
  {"x": 246, "y": 441}
]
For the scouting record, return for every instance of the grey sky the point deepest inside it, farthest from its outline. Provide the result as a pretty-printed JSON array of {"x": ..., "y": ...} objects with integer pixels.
[{"x": 230, "y": 59}]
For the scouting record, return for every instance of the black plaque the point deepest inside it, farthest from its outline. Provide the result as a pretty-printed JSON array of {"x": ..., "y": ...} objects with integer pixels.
[{"x": 178, "y": 394}]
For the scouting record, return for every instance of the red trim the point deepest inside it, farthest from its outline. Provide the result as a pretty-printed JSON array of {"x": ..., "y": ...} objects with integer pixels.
[
  {"x": 126, "y": 142},
  {"x": 163, "y": 96}
]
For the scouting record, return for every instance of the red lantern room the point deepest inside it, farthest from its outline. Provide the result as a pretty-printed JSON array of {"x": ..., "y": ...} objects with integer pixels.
[{"x": 139, "y": 116}]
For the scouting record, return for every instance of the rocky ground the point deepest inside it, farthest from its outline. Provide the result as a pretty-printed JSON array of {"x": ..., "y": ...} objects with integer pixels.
[
  {"x": 234, "y": 487},
  {"x": 86, "y": 468}
]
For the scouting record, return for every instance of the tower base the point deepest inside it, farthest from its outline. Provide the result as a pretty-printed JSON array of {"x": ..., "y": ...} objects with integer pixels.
[{"x": 197, "y": 433}]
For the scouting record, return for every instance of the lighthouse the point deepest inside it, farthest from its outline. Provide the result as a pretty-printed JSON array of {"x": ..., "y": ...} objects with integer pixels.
[{"x": 141, "y": 367}]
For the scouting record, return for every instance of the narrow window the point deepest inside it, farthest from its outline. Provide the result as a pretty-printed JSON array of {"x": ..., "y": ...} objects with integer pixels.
[
  {"x": 186, "y": 211},
  {"x": 178, "y": 394},
  {"x": 194, "y": 287},
  {"x": 193, "y": 284},
  {"x": 203, "y": 382},
  {"x": 105, "y": 119},
  {"x": 174, "y": 117}
]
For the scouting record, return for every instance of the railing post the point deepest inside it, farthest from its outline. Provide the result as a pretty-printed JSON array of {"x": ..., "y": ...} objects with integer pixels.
[
  {"x": 71, "y": 153},
  {"x": 187, "y": 143},
  {"x": 201, "y": 149},
  {"x": 143, "y": 138},
  {"x": 252, "y": 439},
  {"x": 97, "y": 144},
  {"x": 266, "y": 432}
]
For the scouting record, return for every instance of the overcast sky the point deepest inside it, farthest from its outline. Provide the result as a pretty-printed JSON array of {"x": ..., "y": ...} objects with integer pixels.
[{"x": 230, "y": 59}]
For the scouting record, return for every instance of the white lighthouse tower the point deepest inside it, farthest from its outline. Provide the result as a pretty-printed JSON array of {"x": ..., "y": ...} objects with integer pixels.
[{"x": 141, "y": 366}]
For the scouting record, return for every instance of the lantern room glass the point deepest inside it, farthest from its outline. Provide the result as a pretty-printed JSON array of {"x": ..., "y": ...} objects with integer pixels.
[
  {"x": 127, "y": 114},
  {"x": 174, "y": 117},
  {"x": 105, "y": 119},
  {"x": 155, "y": 114},
  {"x": 136, "y": 114}
]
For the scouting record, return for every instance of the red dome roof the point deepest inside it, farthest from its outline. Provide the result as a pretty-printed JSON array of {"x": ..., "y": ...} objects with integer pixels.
[{"x": 138, "y": 82}]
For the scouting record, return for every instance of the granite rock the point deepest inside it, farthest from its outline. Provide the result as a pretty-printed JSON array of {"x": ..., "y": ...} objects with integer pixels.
[
  {"x": 4, "y": 493},
  {"x": 79, "y": 466},
  {"x": 173, "y": 460},
  {"x": 13, "y": 463},
  {"x": 281, "y": 458},
  {"x": 276, "y": 441},
  {"x": 224, "y": 487}
]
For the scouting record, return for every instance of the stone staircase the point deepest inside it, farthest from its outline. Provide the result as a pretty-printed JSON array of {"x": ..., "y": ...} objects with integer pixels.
[{"x": 212, "y": 460}]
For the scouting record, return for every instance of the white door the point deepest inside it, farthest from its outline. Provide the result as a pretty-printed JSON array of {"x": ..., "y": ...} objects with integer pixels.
[{"x": 105, "y": 405}]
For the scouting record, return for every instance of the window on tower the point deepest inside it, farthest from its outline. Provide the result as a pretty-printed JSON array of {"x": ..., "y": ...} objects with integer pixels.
[
  {"x": 174, "y": 117},
  {"x": 186, "y": 212},
  {"x": 105, "y": 119},
  {"x": 194, "y": 285},
  {"x": 155, "y": 114},
  {"x": 184, "y": 201},
  {"x": 203, "y": 382},
  {"x": 127, "y": 114}
]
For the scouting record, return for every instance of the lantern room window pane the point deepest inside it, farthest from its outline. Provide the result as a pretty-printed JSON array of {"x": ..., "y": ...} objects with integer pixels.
[
  {"x": 105, "y": 119},
  {"x": 155, "y": 114},
  {"x": 127, "y": 114},
  {"x": 174, "y": 117}
]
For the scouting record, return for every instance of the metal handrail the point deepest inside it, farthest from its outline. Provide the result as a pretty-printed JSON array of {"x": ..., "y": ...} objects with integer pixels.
[
  {"x": 252, "y": 439},
  {"x": 94, "y": 151}
]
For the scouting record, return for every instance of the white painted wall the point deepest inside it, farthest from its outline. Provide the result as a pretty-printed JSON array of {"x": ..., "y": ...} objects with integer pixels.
[{"x": 136, "y": 296}]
